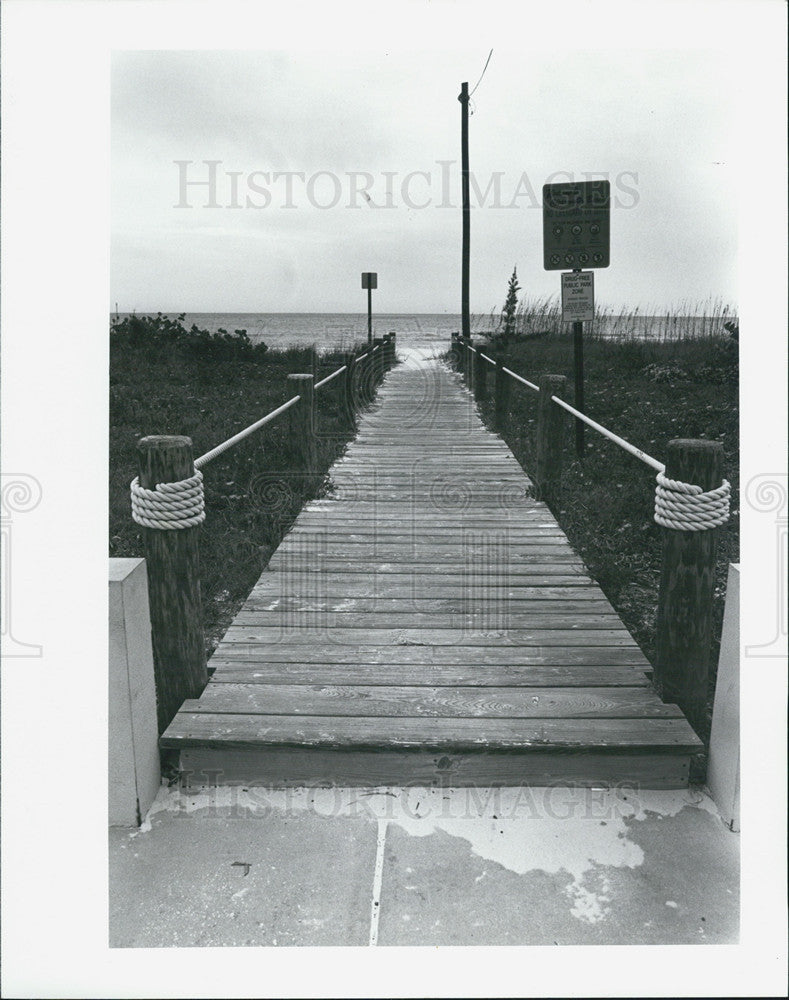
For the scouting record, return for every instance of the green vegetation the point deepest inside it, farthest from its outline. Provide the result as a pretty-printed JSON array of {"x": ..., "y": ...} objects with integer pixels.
[
  {"x": 167, "y": 380},
  {"x": 647, "y": 391},
  {"x": 510, "y": 311}
]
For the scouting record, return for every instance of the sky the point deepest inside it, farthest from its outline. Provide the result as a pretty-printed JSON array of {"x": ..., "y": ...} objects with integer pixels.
[{"x": 328, "y": 162}]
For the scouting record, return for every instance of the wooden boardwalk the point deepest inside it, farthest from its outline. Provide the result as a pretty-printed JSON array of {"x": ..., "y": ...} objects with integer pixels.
[{"x": 429, "y": 622}]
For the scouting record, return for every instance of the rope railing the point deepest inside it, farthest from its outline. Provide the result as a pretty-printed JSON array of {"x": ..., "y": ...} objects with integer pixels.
[
  {"x": 209, "y": 456},
  {"x": 520, "y": 378},
  {"x": 679, "y": 505},
  {"x": 325, "y": 381},
  {"x": 631, "y": 448}
]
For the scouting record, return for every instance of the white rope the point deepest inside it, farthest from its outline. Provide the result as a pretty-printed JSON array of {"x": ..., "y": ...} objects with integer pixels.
[
  {"x": 325, "y": 381},
  {"x": 631, "y": 448},
  {"x": 171, "y": 505},
  {"x": 362, "y": 357},
  {"x": 525, "y": 381},
  {"x": 214, "y": 452},
  {"x": 489, "y": 360},
  {"x": 686, "y": 507}
]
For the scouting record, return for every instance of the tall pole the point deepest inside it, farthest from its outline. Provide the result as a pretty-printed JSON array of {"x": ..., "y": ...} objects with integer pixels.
[
  {"x": 463, "y": 98},
  {"x": 369, "y": 316}
]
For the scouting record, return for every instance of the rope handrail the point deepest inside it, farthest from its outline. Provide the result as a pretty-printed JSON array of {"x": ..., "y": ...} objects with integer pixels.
[
  {"x": 520, "y": 378},
  {"x": 220, "y": 448},
  {"x": 325, "y": 381},
  {"x": 659, "y": 466},
  {"x": 489, "y": 360}
]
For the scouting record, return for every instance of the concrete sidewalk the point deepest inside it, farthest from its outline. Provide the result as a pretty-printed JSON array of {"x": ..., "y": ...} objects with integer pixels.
[{"x": 229, "y": 866}]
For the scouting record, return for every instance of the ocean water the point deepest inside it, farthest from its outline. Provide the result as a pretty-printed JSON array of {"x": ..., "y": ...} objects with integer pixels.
[{"x": 329, "y": 331}]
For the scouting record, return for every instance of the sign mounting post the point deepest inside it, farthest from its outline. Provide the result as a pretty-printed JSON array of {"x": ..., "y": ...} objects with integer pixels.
[
  {"x": 369, "y": 281},
  {"x": 576, "y": 230}
]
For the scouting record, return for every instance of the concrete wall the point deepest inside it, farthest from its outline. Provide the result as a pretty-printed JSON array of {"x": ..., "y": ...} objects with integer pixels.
[
  {"x": 723, "y": 771},
  {"x": 134, "y": 774}
]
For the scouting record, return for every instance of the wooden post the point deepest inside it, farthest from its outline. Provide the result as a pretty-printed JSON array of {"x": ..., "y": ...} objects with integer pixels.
[
  {"x": 502, "y": 392},
  {"x": 392, "y": 348},
  {"x": 349, "y": 388},
  {"x": 687, "y": 585},
  {"x": 302, "y": 420},
  {"x": 173, "y": 561},
  {"x": 470, "y": 356},
  {"x": 578, "y": 365},
  {"x": 480, "y": 377},
  {"x": 378, "y": 360},
  {"x": 550, "y": 437}
]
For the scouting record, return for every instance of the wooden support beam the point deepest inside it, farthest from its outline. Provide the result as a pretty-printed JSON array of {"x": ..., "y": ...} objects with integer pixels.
[
  {"x": 173, "y": 564},
  {"x": 687, "y": 585},
  {"x": 302, "y": 417},
  {"x": 480, "y": 377},
  {"x": 502, "y": 392},
  {"x": 551, "y": 421}
]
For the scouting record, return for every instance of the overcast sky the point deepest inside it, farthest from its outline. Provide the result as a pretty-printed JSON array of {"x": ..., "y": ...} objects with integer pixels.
[{"x": 371, "y": 141}]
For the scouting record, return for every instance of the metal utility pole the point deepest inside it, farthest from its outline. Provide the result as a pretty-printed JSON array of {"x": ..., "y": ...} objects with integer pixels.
[{"x": 463, "y": 98}]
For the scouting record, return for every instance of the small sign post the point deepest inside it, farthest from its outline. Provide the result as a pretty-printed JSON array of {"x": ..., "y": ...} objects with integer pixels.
[
  {"x": 576, "y": 231},
  {"x": 369, "y": 281}
]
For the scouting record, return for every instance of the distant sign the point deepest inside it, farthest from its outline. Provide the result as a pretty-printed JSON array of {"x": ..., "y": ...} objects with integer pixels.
[
  {"x": 578, "y": 296},
  {"x": 576, "y": 225},
  {"x": 369, "y": 279}
]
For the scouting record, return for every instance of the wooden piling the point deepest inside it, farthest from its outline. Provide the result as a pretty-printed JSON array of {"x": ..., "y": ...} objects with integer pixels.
[
  {"x": 480, "y": 377},
  {"x": 551, "y": 424},
  {"x": 378, "y": 360},
  {"x": 502, "y": 392},
  {"x": 687, "y": 585},
  {"x": 302, "y": 421},
  {"x": 349, "y": 386},
  {"x": 173, "y": 563}
]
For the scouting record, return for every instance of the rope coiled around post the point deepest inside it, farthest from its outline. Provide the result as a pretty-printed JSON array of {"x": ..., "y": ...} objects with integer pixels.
[
  {"x": 686, "y": 507},
  {"x": 171, "y": 505}
]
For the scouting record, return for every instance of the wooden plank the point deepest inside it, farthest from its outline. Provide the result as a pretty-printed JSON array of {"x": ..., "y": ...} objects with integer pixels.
[
  {"x": 432, "y": 702},
  {"x": 274, "y": 767},
  {"x": 425, "y": 605},
  {"x": 191, "y": 728},
  {"x": 237, "y": 670},
  {"x": 482, "y": 621},
  {"x": 434, "y": 636},
  {"x": 322, "y": 650}
]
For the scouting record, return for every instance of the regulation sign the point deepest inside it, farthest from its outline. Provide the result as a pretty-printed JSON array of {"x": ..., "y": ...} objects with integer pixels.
[
  {"x": 576, "y": 225},
  {"x": 578, "y": 296},
  {"x": 369, "y": 279}
]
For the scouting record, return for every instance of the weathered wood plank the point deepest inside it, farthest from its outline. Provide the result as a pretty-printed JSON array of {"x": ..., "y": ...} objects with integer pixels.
[
  {"x": 191, "y": 728},
  {"x": 432, "y": 702},
  {"x": 237, "y": 670},
  {"x": 323, "y": 650},
  {"x": 434, "y": 636},
  {"x": 275, "y": 767}
]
